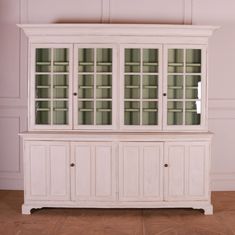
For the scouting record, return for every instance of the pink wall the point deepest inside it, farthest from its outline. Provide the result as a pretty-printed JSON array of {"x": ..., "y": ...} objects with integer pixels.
[{"x": 13, "y": 67}]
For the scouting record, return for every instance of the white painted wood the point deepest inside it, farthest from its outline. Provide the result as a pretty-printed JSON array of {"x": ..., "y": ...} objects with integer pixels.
[
  {"x": 117, "y": 136},
  {"x": 140, "y": 171},
  {"x": 197, "y": 172},
  {"x": 58, "y": 185},
  {"x": 94, "y": 171},
  {"x": 153, "y": 171},
  {"x": 46, "y": 170},
  {"x": 83, "y": 178},
  {"x": 35, "y": 171},
  {"x": 34, "y": 30},
  {"x": 129, "y": 172},
  {"x": 103, "y": 170},
  {"x": 117, "y": 166},
  {"x": 175, "y": 172},
  {"x": 187, "y": 174}
]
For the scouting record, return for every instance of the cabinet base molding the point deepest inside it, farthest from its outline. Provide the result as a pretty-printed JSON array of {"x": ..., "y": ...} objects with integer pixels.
[{"x": 207, "y": 207}]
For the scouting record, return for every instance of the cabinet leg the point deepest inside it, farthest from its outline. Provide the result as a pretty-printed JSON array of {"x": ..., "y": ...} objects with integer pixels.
[
  {"x": 208, "y": 210},
  {"x": 26, "y": 210}
]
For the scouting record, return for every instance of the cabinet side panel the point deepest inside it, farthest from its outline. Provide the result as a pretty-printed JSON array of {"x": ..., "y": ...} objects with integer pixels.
[
  {"x": 152, "y": 175},
  {"x": 103, "y": 171},
  {"x": 197, "y": 157},
  {"x": 131, "y": 171},
  {"x": 37, "y": 175},
  {"x": 176, "y": 156},
  {"x": 83, "y": 171},
  {"x": 59, "y": 177}
]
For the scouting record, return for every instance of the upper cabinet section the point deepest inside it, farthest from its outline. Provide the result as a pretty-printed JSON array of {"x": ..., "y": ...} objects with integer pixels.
[{"x": 118, "y": 77}]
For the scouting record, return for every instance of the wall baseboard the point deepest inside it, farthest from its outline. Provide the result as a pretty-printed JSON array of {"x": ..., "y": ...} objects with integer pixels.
[{"x": 11, "y": 184}]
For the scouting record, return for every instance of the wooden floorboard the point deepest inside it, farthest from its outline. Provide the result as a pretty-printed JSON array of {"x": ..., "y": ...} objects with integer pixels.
[{"x": 116, "y": 221}]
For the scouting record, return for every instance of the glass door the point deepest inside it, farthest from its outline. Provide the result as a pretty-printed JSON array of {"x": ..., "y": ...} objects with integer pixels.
[
  {"x": 184, "y": 88},
  {"x": 51, "y": 72},
  {"x": 141, "y": 72},
  {"x": 94, "y": 98}
]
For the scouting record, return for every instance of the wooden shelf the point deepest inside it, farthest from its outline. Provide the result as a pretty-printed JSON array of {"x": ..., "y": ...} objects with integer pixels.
[
  {"x": 86, "y": 87},
  {"x": 150, "y": 63},
  {"x": 150, "y": 110},
  {"x": 175, "y": 110},
  {"x": 60, "y": 87},
  {"x": 132, "y": 110},
  {"x": 42, "y": 87},
  {"x": 175, "y": 87},
  {"x": 150, "y": 87},
  {"x": 42, "y": 109},
  {"x": 60, "y": 109},
  {"x": 43, "y": 63},
  {"x": 104, "y": 110},
  {"x": 192, "y": 87},
  {"x": 104, "y": 63},
  {"x": 193, "y": 64},
  {"x": 132, "y": 63},
  {"x": 85, "y": 110},
  {"x": 129, "y": 87},
  {"x": 104, "y": 87},
  {"x": 175, "y": 64},
  {"x": 191, "y": 110},
  {"x": 61, "y": 63},
  {"x": 86, "y": 63}
]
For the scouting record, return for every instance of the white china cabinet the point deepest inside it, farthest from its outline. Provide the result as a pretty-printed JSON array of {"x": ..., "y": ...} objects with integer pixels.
[{"x": 117, "y": 116}]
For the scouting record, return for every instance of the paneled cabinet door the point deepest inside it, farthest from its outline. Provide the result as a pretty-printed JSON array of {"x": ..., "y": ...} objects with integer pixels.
[
  {"x": 93, "y": 174},
  {"x": 140, "y": 171},
  {"x": 47, "y": 170},
  {"x": 187, "y": 174}
]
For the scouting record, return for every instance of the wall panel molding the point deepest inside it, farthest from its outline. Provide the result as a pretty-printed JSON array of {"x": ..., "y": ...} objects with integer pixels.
[
  {"x": 12, "y": 178},
  {"x": 221, "y": 108},
  {"x": 105, "y": 15},
  {"x": 223, "y": 181},
  {"x": 187, "y": 11},
  {"x": 10, "y": 16}
]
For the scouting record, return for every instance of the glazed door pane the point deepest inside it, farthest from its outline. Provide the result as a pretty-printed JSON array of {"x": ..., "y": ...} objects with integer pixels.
[
  {"x": 184, "y": 87},
  {"x": 94, "y": 86},
  {"x": 141, "y": 86},
  {"x": 52, "y": 72}
]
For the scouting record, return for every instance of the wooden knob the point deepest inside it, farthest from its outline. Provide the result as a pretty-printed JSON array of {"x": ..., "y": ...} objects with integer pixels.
[
  {"x": 72, "y": 164},
  {"x": 75, "y": 94},
  {"x": 165, "y": 165}
]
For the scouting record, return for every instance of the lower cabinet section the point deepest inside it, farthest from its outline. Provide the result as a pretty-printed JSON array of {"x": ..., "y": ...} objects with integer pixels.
[{"x": 117, "y": 174}]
